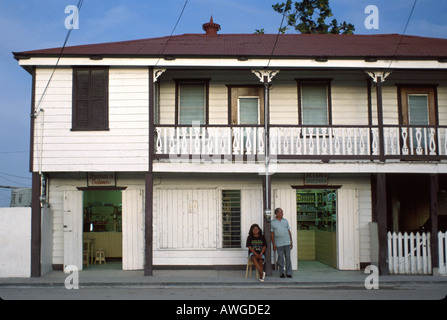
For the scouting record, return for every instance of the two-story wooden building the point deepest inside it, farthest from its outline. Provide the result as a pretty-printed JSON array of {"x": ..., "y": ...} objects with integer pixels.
[{"x": 165, "y": 150}]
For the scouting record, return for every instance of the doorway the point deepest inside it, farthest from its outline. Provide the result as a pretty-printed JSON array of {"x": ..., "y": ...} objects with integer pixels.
[
  {"x": 102, "y": 228},
  {"x": 246, "y": 105},
  {"x": 316, "y": 211},
  {"x": 417, "y": 111}
]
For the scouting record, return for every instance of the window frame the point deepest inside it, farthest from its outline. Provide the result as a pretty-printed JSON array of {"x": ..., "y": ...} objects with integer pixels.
[
  {"x": 430, "y": 90},
  {"x": 178, "y": 83},
  {"x": 222, "y": 229},
  {"x": 91, "y": 126},
  {"x": 327, "y": 83}
]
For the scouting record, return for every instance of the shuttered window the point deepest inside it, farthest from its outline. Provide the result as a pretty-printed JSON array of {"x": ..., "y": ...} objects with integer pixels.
[
  {"x": 231, "y": 218},
  {"x": 314, "y": 104},
  {"x": 90, "y": 99}
]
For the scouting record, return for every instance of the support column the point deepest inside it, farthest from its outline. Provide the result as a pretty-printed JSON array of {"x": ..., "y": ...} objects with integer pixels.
[
  {"x": 148, "y": 229},
  {"x": 267, "y": 191},
  {"x": 434, "y": 188},
  {"x": 36, "y": 226},
  {"x": 266, "y": 76},
  {"x": 149, "y": 184},
  {"x": 381, "y": 216}
]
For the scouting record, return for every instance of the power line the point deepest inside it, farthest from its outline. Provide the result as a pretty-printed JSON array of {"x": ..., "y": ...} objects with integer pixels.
[
  {"x": 11, "y": 175},
  {"x": 405, "y": 30},
  {"x": 58, "y": 59},
  {"x": 172, "y": 32},
  {"x": 277, "y": 38}
]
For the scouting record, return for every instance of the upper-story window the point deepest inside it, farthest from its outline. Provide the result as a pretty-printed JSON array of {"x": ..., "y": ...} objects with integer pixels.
[
  {"x": 192, "y": 101},
  {"x": 90, "y": 99},
  {"x": 314, "y": 102}
]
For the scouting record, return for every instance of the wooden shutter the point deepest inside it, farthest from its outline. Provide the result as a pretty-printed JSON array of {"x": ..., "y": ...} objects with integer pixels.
[
  {"x": 348, "y": 229},
  {"x": 73, "y": 229},
  {"x": 286, "y": 200},
  {"x": 133, "y": 229},
  {"x": 90, "y": 99}
]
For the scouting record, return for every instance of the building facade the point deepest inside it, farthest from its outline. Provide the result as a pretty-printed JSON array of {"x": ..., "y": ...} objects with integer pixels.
[{"x": 165, "y": 151}]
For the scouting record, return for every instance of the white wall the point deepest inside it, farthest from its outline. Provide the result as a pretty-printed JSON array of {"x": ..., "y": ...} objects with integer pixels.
[
  {"x": 124, "y": 147},
  {"x": 15, "y": 242}
]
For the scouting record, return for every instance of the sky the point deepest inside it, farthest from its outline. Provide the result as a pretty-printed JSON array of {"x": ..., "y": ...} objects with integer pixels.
[{"x": 40, "y": 24}]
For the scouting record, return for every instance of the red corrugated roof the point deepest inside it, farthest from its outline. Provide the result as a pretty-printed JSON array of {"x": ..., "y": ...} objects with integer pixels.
[{"x": 261, "y": 45}]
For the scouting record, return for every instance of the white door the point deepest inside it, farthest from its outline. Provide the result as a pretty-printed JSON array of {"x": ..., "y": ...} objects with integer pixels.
[
  {"x": 133, "y": 229},
  {"x": 286, "y": 200},
  {"x": 348, "y": 229},
  {"x": 73, "y": 229}
]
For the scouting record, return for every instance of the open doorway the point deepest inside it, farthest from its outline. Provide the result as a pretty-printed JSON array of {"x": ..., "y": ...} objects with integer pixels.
[
  {"x": 317, "y": 225},
  {"x": 102, "y": 228}
]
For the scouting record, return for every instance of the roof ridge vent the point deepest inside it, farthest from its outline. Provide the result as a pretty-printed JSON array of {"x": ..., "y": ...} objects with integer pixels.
[{"x": 211, "y": 28}]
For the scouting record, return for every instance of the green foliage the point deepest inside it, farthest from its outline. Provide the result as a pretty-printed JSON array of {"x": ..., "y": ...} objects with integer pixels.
[{"x": 309, "y": 16}]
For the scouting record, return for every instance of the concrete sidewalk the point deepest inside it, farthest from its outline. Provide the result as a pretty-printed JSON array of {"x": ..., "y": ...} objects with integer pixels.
[{"x": 310, "y": 274}]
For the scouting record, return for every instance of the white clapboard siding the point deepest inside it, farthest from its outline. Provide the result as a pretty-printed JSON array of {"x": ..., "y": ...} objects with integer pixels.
[
  {"x": 286, "y": 200},
  {"x": 124, "y": 147},
  {"x": 348, "y": 229},
  {"x": 187, "y": 219},
  {"x": 133, "y": 229},
  {"x": 73, "y": 229}
]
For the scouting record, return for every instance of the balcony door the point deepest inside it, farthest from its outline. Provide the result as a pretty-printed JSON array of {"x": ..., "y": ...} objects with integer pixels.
[
  {"x": 418, "y": 106},
  {"x": 246, "y": 105},
  {"x": 418, "y": 111}
]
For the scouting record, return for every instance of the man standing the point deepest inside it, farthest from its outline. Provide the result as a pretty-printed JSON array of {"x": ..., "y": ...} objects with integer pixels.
[{"x": 282, "y": 242}]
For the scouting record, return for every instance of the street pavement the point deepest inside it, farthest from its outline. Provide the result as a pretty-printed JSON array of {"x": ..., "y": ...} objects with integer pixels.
[{"x": 310, "y": 274}]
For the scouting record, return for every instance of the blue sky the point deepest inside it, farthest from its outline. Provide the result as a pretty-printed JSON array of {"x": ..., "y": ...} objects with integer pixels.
[{"x": 39, "y": 24}]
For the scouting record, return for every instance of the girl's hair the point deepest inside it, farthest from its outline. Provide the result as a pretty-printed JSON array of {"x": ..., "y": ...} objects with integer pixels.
[{"x": 252, "y": 227}]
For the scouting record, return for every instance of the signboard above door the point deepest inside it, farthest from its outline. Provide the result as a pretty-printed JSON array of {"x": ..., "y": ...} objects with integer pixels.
[
  {"x": 316, "y": 179},
  {"x": 98, "y": 179}
]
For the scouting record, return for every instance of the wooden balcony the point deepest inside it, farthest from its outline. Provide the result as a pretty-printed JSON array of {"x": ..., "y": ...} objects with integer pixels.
[{"x": 326, "y": 143}]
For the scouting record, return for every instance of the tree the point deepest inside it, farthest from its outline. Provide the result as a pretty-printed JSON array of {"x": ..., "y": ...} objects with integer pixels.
[{"x": 309, "y": 16}]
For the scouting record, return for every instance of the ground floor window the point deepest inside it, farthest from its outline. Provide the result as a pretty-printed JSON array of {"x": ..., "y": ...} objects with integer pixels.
[{"x": 231, "y": 218}]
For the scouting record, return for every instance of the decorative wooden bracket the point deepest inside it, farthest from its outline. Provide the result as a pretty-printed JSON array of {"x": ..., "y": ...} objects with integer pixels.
[
  {"x": 375, "y": 75},
  {"x": 157, "y": 73},
  {"x": 265, "y": 73}
]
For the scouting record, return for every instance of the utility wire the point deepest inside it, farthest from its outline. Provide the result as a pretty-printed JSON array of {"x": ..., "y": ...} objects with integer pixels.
[
  {"x": 172, "y": 32},
  {"x": 37, "y": 108},
  {"x": 405, "y": 30},
  {"x": 277, "y": 38},
  {"x": 11, "y": 175}
]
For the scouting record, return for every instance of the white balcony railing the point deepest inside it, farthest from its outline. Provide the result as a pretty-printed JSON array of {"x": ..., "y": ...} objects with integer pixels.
[{"x": 307, "y": 142}]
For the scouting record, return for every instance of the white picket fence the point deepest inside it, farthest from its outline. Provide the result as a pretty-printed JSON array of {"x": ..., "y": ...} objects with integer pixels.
[
  {"x": 409, "y": 253},
  {"x": 442, "y": 245}
]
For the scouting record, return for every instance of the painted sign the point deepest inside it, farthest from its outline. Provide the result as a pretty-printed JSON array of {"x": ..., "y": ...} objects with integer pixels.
[{"x": 101, "y": 180}]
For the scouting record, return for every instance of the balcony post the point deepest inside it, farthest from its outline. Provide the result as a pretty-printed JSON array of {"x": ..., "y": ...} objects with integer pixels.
[{"x": 379, "y": 77}]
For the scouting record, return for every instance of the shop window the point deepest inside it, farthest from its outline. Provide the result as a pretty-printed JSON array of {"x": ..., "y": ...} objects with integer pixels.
[{"x": 231, "y": 218}]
